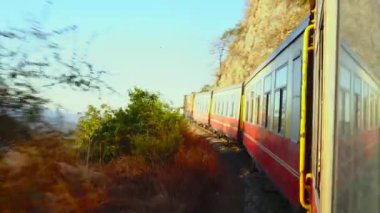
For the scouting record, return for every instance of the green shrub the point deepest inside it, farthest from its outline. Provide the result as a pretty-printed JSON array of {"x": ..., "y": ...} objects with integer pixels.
[
  {"x": 148, "y": 127},
  {"x": 96, "y": 136},
  {"x": 156, "y": 150}
]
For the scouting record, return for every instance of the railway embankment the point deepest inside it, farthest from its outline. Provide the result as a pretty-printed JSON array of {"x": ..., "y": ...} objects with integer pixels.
[{"x": 259, "y": 195}]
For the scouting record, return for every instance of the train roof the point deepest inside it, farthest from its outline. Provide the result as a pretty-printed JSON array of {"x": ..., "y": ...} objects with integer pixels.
[
  {"x": 202, "y": 93},
  {"x": 226, "y": 88},
  {"x": 288, "y": 41}
]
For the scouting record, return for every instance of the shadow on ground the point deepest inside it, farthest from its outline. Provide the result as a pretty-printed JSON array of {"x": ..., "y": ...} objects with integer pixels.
[{"x": 260, "y": 195}]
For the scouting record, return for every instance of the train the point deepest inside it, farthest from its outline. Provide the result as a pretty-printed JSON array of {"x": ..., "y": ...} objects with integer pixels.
[{"x": 309, "y": 114}]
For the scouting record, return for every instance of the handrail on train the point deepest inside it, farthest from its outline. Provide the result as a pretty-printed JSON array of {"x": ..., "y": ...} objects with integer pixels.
[{"x": 305, "y": 61}]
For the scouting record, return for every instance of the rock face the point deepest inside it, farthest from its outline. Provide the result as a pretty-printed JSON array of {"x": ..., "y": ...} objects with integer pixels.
[{"x": 265, "y": 25}]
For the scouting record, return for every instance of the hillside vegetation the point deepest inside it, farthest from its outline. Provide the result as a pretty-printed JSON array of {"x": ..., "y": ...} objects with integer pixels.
[
  {"x": 265, "y": 25},
  {"x": 142, "y": 158}
]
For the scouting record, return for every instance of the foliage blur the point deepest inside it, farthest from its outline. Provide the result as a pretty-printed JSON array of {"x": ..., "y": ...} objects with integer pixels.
[
  {"x": 33, "y": 59},
  {"x": 44, "y": 175},
  {"x": 148, "y": 127}
]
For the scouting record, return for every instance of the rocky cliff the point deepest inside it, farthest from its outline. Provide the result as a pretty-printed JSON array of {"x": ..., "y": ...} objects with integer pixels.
[{"x": 265, "y": 25}]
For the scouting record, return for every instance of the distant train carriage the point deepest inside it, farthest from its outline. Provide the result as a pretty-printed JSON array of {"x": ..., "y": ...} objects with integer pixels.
[
  {"x": 201, "y": 108},
  {"x": 188, "y": 105},
  {"x": 224, "y": 116}
]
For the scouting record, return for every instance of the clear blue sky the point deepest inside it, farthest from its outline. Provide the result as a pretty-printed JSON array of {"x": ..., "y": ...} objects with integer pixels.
[{"x": 160, "y": 45}]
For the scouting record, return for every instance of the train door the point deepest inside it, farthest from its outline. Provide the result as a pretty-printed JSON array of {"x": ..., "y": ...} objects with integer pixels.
[
  {"x": 346, "y": 148},
  {"x": 318, "y": 97}
]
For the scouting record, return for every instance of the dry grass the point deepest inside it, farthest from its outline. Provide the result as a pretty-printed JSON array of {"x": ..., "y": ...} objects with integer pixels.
[
  {"x": 46, "y": 176},
  {"x": 193, "y": 182}
]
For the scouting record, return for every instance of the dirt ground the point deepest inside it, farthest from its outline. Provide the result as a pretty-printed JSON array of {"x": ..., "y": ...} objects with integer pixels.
[{"x": 260, "y": 195}]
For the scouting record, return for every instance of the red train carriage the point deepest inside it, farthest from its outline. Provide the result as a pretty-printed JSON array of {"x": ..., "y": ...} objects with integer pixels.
[
  {"x": 272, "y": 114},
  {"x": 224, "y": 116},
  {"x": 315, "y": 131},
  {"x": 201, "y": 107}
]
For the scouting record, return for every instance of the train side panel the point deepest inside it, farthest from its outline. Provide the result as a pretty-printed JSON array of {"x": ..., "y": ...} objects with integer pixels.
[
  {"x": 226, "y": 111},
  {"x": 272, "y": 115},
  {"x": 202, "y": 107},
  {"x": 188, "y": 105}
]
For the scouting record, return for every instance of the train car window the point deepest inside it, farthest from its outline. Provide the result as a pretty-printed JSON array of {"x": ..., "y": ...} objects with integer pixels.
[
  {"x": 357, "y": 103},
  {"x": 227, "y": 112},
  {"x": 266, "y": 101},
  {"x": 283, "y": 111},
  {"x": 280, "y": 99},
  {"x": 266, "y": 109},
  {"x": 258, "y": 110},
  {"x": 221, "y": 107},
  {"x": 344, "y": 94},
  {"x": 251, "y": 108},
  {"x": 246, "y": 110},
  {"x": 377, "y": 110},
  {"x": 231, "y": 108},
  {"x": 234, "y": 107},
  {"x": 227, "y": 108},
  {"x": 370, "y": 115},
  {"x": 258, "y": 102},
  {"x": 268, "y": 83},
  {"x": 276, "y": 113},
  {"x": 279, "y": 110},
  {"x": 281, "y": 76},
  {"x": 296, "y": 100},
  {"x": 253, "y": 99},
  {"x": 372, "y": 109},
  {"x": 365, "y": 105}
]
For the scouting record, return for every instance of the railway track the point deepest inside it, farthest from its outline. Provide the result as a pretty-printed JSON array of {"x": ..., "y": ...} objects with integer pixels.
[{"x": 260, "y": 195}]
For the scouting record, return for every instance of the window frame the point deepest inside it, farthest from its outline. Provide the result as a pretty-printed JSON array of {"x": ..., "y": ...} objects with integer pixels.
[
  {"x": 293, "y": 129},
  {"x": 267, "y": 96},
  {"x": 282, "y": 89}
]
